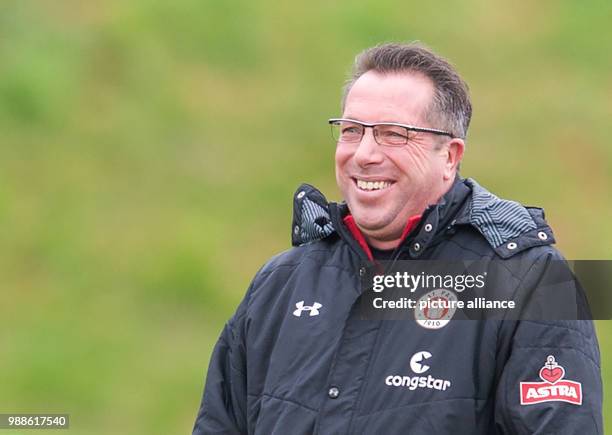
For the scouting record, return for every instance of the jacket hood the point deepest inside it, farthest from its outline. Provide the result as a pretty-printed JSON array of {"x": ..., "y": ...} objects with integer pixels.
[{"x": 508, "y": 226}]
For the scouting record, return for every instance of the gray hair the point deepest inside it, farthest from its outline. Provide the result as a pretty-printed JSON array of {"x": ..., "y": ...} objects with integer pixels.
[{"x": 451, "y": 108}]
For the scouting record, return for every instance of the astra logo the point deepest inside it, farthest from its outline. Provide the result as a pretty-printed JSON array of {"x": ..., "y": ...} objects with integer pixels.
[
  {"x": 313, "y": 309},
  {"x": 553, "y": 387},
  {"x": 414, "y": 382}
]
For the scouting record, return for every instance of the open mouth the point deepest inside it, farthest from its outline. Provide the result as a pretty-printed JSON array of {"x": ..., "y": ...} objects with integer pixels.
[{"x": 372, "y": 185}]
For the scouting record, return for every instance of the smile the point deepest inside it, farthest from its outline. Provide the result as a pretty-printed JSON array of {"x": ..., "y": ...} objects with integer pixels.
[{"x": 369, "y": 185}]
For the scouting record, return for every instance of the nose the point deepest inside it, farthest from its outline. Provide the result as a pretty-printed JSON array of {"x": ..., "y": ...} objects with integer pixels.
[{"x": 368, "y": 152}]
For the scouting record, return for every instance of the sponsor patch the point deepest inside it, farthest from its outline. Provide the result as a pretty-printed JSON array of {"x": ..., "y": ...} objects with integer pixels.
[
  {"x": 418, "y": 366},
  {"x": 553, "y": 388}
]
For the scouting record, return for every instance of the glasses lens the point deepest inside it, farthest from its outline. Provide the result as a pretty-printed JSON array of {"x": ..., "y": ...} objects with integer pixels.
[
  {"x": 392, "y": 135},
  {"x": 344, "y": 131}
]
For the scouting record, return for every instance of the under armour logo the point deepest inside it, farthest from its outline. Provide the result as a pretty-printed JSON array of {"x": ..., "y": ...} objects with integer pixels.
[{"x": 314, "y": 309}]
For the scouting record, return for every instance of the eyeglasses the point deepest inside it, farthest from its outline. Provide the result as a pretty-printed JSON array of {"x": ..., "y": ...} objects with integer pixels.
[{"x": 390, "y": 134}]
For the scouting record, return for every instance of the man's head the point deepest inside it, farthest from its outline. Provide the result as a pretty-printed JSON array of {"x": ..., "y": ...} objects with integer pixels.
[{"x": 385, "y": 185}]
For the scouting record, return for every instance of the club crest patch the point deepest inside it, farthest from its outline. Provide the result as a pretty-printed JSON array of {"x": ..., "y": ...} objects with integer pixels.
[
  {"x": 553, "y": 388},
  {"x": 435, "y": 318}
]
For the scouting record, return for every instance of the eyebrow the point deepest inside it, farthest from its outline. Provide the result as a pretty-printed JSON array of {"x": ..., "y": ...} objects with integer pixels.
[{"x": 349, "y": 116}]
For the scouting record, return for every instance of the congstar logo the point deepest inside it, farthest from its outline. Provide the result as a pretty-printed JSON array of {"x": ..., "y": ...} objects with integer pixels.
[
  {"x": 416, "y": 362},
  {"x": 418, "y": 366}
]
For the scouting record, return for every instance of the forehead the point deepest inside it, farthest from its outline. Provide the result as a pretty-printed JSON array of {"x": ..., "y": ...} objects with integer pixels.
[{"x": 394, "y": 97}]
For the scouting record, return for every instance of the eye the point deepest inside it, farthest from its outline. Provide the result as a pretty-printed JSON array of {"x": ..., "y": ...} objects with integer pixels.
[
  {"x": 351, "y": 129},
  {"x": 344, "y": 131},
  {"x": 393, "y": 135}
]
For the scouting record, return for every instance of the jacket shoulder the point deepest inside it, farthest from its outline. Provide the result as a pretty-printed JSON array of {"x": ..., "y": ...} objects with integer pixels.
[
  {"x": 508, "y": 227},
  {"x": 308, "y": 258},
  {"x": 319, "y": 251}
]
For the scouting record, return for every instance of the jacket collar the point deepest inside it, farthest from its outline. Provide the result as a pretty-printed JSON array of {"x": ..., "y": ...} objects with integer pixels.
[
  {"x": 506, "y": 225},
  {"x": 350, "y": 223}
]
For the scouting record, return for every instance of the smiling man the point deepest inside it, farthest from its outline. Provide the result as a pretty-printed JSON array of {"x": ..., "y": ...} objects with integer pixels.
[
  {"x": 396, "y": 170},
  {"x": 298, "y": 358}
]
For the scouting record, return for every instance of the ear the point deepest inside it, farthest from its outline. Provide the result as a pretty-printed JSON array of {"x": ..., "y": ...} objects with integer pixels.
[{"x": 454, "y": 154}]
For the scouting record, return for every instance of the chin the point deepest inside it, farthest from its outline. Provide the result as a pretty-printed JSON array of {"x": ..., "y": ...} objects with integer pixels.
[{"x": 369, "y": 223}]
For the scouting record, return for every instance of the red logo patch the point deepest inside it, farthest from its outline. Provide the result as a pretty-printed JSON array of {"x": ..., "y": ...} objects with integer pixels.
[
  {"x": 553, "y": 389},
  {"x": 552, "y": 374}
]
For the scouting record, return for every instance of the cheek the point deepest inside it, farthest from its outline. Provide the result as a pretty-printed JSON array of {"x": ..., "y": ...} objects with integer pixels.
[
  {"x": 342, "y": 157},
  {"x": 408, "y": 162},
  {"x": 414, "y": 161}
]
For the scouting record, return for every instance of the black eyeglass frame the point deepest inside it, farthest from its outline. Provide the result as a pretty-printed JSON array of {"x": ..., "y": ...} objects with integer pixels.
[{"x": 335, "y": 121}]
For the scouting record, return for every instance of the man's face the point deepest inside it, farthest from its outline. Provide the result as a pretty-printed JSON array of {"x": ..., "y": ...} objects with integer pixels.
[{"x": 409, "y": 177}]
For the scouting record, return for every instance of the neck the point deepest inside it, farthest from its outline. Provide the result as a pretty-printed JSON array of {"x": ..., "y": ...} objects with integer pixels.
[{"x": 382, "y": 244}]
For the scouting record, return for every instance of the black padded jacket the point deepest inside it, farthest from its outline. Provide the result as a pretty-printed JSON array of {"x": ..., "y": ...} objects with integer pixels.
[{"x": 297, "y": 358}]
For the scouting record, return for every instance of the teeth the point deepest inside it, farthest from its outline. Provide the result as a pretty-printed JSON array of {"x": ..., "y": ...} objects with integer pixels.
[{"x": 372, "y": 185}]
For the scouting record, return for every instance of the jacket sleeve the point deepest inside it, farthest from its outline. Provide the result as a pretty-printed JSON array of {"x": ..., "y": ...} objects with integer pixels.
[
  {"x": 550, "y": 381},
  {"x": 224, "y": 402}
]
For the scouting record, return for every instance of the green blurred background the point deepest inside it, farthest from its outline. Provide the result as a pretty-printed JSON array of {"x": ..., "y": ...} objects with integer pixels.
[{"x": 149, "y": 151}]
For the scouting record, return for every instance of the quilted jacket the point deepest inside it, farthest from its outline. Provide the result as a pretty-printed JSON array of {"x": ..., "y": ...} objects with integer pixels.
[{"x": 298, "y": 358}]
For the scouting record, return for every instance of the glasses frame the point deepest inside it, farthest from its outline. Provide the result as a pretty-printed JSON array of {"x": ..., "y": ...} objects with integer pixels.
[{"x": 334, "y": 121}]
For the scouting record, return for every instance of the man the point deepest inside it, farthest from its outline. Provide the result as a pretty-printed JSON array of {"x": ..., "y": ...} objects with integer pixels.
[{"x": 297, "y": 358}]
